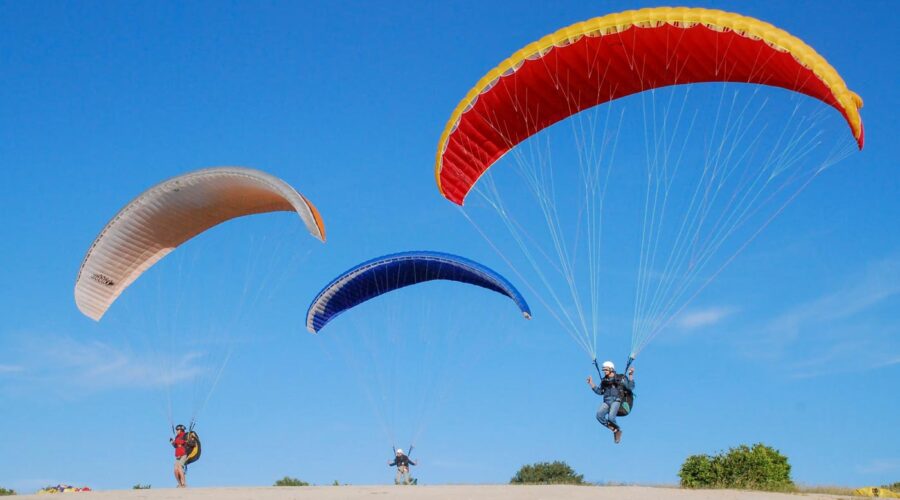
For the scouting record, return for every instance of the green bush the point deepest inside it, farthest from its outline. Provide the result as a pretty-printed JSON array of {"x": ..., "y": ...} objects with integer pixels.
[
  {"x": 547, "y": 473},
  {"x": 290, "y": 481},
  {"x": 893, "y": 487},
  {"x": 6, "y": 493},
  {"x": 758, "y": 467},
  {"x": 140, "y": 486},
  {"x": 697, "y": 472}
]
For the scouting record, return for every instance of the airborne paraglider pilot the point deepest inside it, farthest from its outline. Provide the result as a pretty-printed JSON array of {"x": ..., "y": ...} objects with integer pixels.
[
  {"x": 402, "y": 462},
  {"x": 613, "y": 387},
  {"x": 179, "y": 442}
]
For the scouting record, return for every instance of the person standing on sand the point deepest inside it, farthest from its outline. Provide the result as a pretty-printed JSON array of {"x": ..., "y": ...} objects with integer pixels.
[
  {"x": 612, "y": 388},
  {"x": 402, "y": 462},
  {"x": 178, "y": 442}
]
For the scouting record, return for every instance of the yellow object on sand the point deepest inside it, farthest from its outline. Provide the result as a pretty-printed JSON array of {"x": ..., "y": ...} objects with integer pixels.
[{"x": 876, "y": 492}]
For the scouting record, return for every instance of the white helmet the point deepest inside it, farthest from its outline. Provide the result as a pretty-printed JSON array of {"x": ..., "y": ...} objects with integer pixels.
[
  {"x": 610, "y": 365},
  {"x": 399, "y": 451}
]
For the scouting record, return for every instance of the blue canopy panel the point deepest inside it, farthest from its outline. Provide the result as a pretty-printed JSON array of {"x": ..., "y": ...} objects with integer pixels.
[{"x": 391, "y": 272}]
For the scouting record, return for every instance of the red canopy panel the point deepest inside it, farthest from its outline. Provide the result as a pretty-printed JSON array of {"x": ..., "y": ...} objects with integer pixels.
[{"x": 567, "y": 79}]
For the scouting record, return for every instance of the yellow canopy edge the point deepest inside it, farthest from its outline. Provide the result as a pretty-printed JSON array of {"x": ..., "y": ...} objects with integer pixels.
[{"x": 775, "y": 37}]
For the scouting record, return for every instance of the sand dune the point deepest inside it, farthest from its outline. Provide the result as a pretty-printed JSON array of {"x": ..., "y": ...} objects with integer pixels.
[{"x": 461, "y": 492}]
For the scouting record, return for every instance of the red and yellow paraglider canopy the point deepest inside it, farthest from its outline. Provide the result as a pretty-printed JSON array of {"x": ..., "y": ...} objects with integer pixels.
[{"x": 617, "y": 55}]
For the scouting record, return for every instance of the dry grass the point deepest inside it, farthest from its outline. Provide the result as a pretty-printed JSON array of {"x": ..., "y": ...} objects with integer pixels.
[
  {"x": 842, "y": 491},
  {"x": 827, "y": 490}
]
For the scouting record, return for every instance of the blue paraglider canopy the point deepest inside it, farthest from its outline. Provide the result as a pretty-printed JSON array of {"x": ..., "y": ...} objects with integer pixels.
[{"x": 392, "y": 272}]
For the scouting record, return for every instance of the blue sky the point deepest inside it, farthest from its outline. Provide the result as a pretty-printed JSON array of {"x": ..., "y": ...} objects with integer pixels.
[{"x": 795, "y": 345}]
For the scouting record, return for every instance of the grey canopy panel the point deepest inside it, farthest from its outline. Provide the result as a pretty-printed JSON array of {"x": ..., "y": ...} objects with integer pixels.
[{"x": 171, "y": 213}]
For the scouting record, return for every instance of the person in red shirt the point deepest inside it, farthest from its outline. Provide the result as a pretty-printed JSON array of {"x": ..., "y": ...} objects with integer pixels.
[{"x": 178, "y": 442}]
